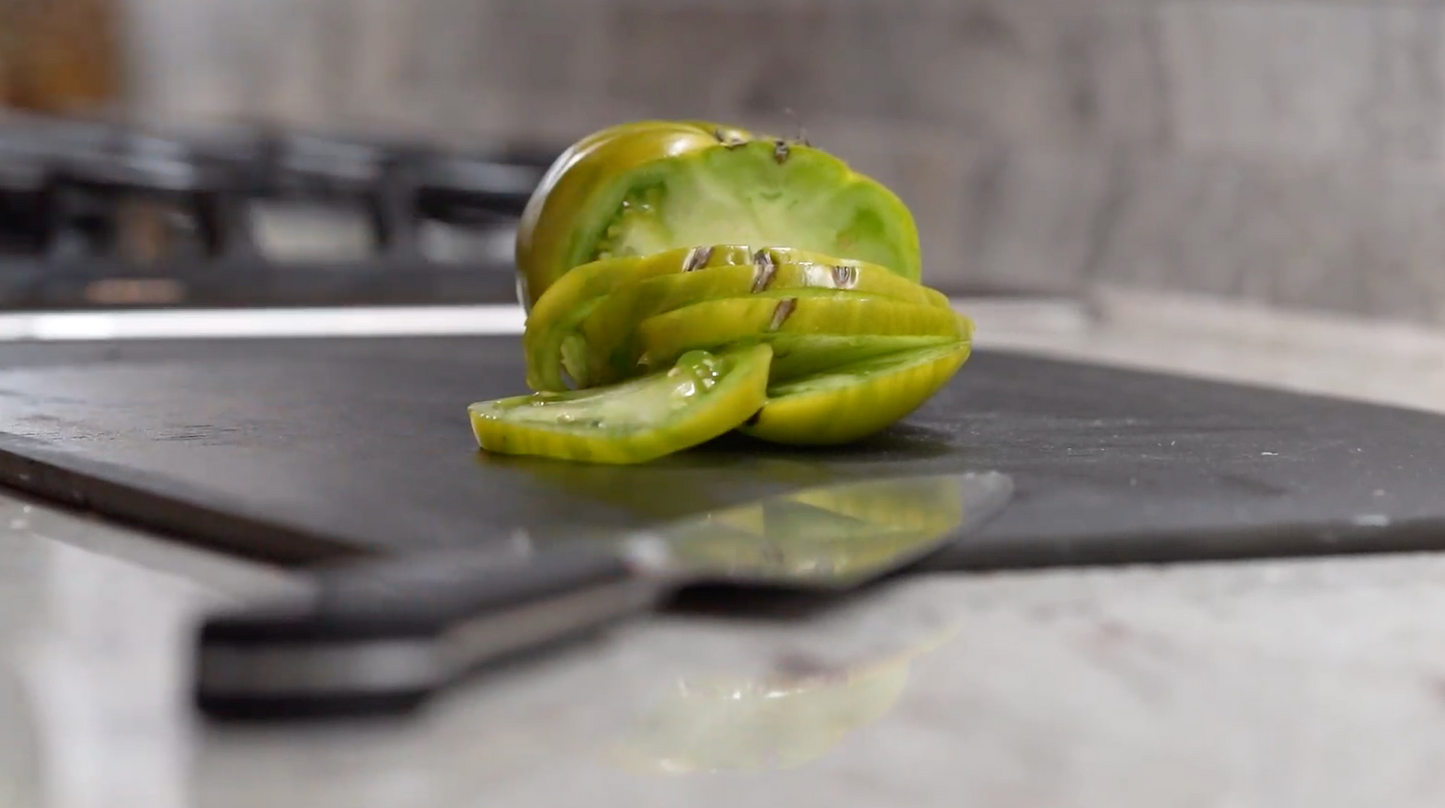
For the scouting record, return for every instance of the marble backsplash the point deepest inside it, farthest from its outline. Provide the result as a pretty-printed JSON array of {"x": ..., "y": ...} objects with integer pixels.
[{"x": 1285, "y": 151}]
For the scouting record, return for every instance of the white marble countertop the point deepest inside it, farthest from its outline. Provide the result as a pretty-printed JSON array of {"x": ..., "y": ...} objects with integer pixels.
[{"x": 1314, "y": 683}]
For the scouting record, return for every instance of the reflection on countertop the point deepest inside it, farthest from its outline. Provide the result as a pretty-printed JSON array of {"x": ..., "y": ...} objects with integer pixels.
[
  {"x": 785, "y": 719},
  {"x": 594, "y": 723}
]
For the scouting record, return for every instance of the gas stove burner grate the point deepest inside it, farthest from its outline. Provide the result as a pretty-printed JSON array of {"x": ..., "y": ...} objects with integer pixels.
[{"x": 98, "y": 216}]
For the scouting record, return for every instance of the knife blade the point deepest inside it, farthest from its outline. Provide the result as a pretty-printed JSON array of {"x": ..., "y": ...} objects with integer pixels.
[{"x": 381, "y": 637}]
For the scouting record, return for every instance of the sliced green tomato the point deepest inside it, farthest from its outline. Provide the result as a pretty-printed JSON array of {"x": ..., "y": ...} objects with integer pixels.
[
  {"x": 698, "y": 399},
  {"x": 734, "y": 321},
  {"x": 550, "y": 336},
  {"x": 856, "y": 400},
  {"x": 775, "y": 272}
]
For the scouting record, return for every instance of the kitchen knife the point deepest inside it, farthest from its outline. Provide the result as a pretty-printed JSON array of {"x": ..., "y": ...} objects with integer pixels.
[{"x": 382, "y": 636}]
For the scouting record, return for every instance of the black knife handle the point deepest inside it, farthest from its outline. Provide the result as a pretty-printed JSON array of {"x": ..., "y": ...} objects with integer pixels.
[{"x": 382, "y": 637}]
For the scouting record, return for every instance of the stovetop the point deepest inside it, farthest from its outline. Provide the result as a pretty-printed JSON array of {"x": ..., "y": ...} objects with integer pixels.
[
  {"x": 107, "y": 217},
  {"x": 101, "y": 217}
]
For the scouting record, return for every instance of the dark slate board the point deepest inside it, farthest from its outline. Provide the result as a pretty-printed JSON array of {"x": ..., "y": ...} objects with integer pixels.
[{"x": 302, "y": 451}]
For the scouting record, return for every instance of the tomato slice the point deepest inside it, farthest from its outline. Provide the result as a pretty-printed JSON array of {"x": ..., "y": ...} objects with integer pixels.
[
  {"x": 701, "y": 397},
  {"x": 855, "y": 400},
  {"x": 774, "y": 272},
  {"x": 733, "y": 321}
]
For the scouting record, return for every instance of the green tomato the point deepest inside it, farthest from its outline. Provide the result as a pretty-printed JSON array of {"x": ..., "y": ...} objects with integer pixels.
[{"x": 690, "y": 278}]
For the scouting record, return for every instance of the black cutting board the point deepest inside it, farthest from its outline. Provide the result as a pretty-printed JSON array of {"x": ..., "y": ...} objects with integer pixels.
[{"x": 303, "y": 451}]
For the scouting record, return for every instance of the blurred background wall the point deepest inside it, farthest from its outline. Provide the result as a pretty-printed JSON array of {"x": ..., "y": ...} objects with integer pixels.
[{"x": 1286, "y": 151}]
